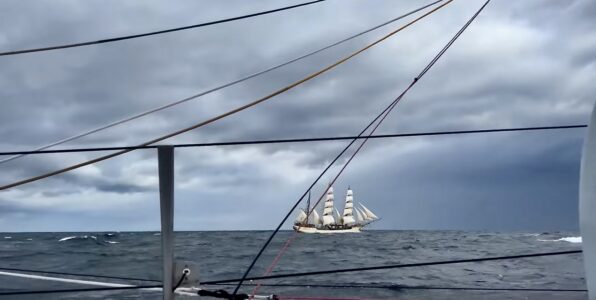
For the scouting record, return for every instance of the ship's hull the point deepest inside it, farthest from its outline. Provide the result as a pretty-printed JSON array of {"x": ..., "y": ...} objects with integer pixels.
[{"x": 303, "y": 229}]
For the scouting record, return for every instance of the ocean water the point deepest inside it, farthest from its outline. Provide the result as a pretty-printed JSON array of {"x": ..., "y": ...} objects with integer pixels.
[{"x": 226, "y": 254}]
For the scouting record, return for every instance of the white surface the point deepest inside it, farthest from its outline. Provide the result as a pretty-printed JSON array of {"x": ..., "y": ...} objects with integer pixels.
[
  {"x": 587, "y": 206},
  {"x": 186, "y": 292}
]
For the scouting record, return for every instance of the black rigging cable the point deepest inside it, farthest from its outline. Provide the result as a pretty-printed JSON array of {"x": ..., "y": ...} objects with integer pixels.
[
  {"x": 134, "y": 36},
  {"x": 230, "y": 112},
  {"x": 382, "y": 115},
  {"x": 398, "y": 287},
  {"x": 354, "y": 139},
  {"x": 78, "y": 274},
  {"x": 184, "y": 274},
  {"x": 395, "y": 266},
  {"x": 299, "y": 140},
  {"x": 222, "y": 294},
  {"x": 217, "y": 88}
]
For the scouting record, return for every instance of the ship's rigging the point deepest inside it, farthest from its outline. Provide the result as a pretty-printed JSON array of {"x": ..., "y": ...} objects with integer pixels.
[
  {"x": 352, "y": 215},
  {"x": 332, "y": 221}
]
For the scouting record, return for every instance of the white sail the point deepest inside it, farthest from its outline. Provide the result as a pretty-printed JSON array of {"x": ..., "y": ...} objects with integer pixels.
[
  {"x": 328, "y": 210},
  {"x": 316, "y": 218},
  {"x": 301, "y": 216},
  {"x": 328, "y": 220},
  {"x": 349, "y": 220},
  {"x": 349, "y": 203},
  {"x": 353, "y": 219},
  {"x": 359, "y": 215},
  {"x": 368, "y": 212},
  {"x": 348, "y": 217},
  {"x": 338, "y": 217},
  {"x": 363, "y": 215}
]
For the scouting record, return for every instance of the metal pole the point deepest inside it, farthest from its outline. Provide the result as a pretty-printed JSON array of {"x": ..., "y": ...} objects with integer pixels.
[
  {"x": 165, "y": 157},
  {"x": 587, "y": 206}
]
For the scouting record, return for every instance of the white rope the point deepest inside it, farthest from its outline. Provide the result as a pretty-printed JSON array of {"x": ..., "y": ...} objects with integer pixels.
[
  {"x": 181, "y": 291},
  {"x": 78, "y": 281}
]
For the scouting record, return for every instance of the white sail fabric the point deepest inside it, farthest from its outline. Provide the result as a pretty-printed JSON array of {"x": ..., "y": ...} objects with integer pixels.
[
  {"x": 349, "y": 203},
  {"x": 368, "y": 212},
  {"x": 348, "y": 217},
  {"x": 338, "y": 217},
  {"x": 316, "y": 218},
  {"x": 363, "y": 215},
  {"x": 359, "y": 215},
  {"x": 301, "y": 217},
  {"x": 328, "y": 210},
  {"x": 349, "y": 220},
  {"x": 327, "y": 220}
]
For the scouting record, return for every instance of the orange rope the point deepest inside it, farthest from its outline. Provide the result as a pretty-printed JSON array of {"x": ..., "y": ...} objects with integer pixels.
[
  {"x": 226, "y": 114},
  {"x": 273, "y": 264}
]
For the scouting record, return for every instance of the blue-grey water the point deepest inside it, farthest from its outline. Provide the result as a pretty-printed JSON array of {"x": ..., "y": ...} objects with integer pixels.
[{"x": 226, "y": 254}]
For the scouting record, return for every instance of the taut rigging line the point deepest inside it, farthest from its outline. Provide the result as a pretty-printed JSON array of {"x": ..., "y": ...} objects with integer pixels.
[
  {"x": 217, "y": 88},
  {"x": 382, "y": 117},
  {"x": 302, "y": 140},
  {"x": 226, "y": 114},
  {"x": 396, "y": 266},
  {"x": 303, "y": 274},
  {"x": 398, "y": 287},
  {"x": 134, "y": 36}
]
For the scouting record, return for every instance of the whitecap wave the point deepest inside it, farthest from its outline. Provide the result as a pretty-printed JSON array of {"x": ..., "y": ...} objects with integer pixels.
[
  {"x": 572, "y": 239},
  {"x": 8, "y": 237},
  {"x": 569, "y": 239},
  {"x": 67, "y": 238},
  {"x": 112, "y": 242},
  {"x": 75, "y": 237}
]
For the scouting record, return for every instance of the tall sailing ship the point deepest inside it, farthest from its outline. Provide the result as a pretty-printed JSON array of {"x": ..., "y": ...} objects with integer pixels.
[{"x": 332, "y": 221}]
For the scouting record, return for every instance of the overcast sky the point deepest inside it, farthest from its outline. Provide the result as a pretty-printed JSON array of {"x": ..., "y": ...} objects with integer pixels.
[{"x": 521, "y": 63}]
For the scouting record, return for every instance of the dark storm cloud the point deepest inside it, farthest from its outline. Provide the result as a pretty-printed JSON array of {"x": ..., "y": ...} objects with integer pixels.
[
  {"x": 521, "y": 63},
  {"x": 507, "y": 182}
]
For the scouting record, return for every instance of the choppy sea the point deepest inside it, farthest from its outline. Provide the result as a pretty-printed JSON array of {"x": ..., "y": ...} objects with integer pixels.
[{"x": 226, "y": 254}]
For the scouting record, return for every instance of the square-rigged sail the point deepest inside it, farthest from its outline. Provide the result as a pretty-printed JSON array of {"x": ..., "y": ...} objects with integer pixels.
[
  {"x": 348, "y": 216},
  {"x": 328, "y": 210},
  {"x": 353, "y": 218}
]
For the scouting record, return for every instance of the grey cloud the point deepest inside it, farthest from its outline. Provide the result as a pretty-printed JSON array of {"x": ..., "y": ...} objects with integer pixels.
[{"x": 523, "y": 63}]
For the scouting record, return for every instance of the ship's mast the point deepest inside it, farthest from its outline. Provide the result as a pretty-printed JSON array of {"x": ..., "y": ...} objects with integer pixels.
[{"x": 307, "y": 208}]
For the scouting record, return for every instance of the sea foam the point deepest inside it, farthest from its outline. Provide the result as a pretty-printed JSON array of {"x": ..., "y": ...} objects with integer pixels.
[
  {"x": 569, "y": 239},
  {"x": 572, "y": 239},
  {"x": 74, "y": 237},
  {"x": 67, "y": 238}
]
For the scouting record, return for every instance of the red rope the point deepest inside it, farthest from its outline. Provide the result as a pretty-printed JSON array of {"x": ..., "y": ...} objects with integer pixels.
[
  {"x": 274, "y": 263},
  {"x": 289, "y": 241}
]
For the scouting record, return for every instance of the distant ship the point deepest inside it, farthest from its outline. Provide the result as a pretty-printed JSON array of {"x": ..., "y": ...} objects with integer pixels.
[{"x": 346, "y": 222}]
